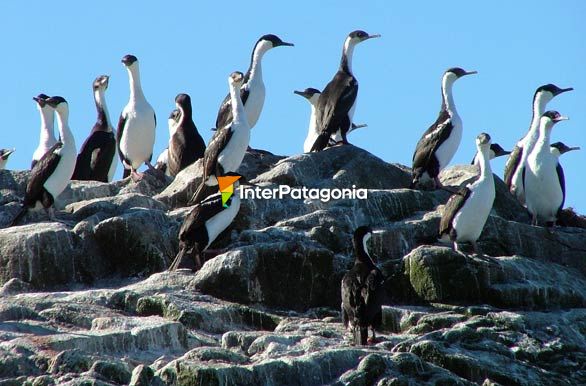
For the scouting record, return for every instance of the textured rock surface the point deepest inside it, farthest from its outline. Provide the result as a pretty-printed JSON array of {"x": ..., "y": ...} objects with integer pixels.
[{"x": 264, "y": 311}]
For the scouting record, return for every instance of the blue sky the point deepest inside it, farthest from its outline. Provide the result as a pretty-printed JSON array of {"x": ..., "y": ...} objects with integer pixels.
[{"x": 59, "y": 48}]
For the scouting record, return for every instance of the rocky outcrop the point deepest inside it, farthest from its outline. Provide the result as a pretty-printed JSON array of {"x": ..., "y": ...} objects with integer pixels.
[{"x": 264, "y": 309}]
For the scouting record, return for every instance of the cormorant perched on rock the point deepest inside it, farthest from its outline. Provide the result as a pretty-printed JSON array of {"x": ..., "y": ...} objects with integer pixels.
[
  {"x": 362, "y": 291},
  {"x": 204, "y": 224},
  {"x": 185, "y": 144},
  {"x": 467, "y": 211},
  {"x": 96, "y": 160},
  {"x": 439, "y": 143},
  {"x": 335, "y": 106},
  {"x": 543, "y": 178}
]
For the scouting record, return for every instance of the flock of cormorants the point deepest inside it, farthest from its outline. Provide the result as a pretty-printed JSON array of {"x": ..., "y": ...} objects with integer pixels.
[{"x": 533, "y": 173}]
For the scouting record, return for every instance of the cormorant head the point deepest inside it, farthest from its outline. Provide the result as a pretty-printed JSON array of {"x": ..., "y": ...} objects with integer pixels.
[
  {"x": 274, "y": 41},
  {"x": 550, "y": 118},
  {"x": 101, "y": 82},
  {"x": 40, "y": 99},
  {"x": 549, "y": 91},
  {"x": 360, "y": 239},
  {"x": 358, "y": 36},
  {"x": 311, "y": 94},
  {"x": 454, "y": 73},
  {"x": 236, "y": 78},
  {"x": 58, "y": 103},
  {"x": 129, "y": 60},
  {"x": 559, "y": 148},
  {"x": 5, "y": 153},
  {"x": 483, "y": 141}
]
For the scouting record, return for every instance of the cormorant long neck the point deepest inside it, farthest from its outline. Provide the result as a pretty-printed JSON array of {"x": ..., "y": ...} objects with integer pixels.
[
  {"x": 447, "y": 96},
  {"x": 540, "y": 101},
  {"x": 543, "y": 139},
  {"x": 103, "y": 116},
  {"x": 484, "y": 162},
  {"x": 347, "y": 52},
  {"x": 134, "y": 81},
  {"x": 361, "y": 251},
  {"x": 64, "y": 131},
  {"x": 236, "y": 102},
  {"x": 255, "y": 68},
  {"x": 47, "y": 135},
  {"x": 185, "y": 113}
]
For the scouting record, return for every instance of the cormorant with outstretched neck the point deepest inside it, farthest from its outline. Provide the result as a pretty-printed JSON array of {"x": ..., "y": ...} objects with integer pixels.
[
  {"x": 252, "y": 90},
  {"x": 439, "y": 143},
  {"x": 517, "y": 160},
  {"x": 226, "y": 150},
  {"x": 335, "y": 106},
  {"x": 52, "y": 173},
  {"x": 136, "y": 128},
  {"x": 96, "y": 160},
  {"x": 47, "y": 135}
]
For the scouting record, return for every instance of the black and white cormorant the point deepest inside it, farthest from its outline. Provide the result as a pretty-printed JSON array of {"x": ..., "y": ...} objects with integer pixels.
[
  {"x": 362, "y": 290},
  {"x": 252, "y": 91},
  {"x": 4, "y": 154},
  {"x": 185, "y": 144},
  {"x": 47, "y": 137},
  {"x": 96, "y": 160},
  {"x": 439, "y": 143},
  {"x": 312, "y": 95},
  {"x": 467, "y": 211},
  {"x": 517, "y": 160},
  {"x": 136, "y": 128},
  {"x": 335, "y": 106},
  {"x": 203, "y": 225},
  {"x": 227, "y": 147},
  {"x": 52, "y": 173},
  {"x": 495, "y": 151},
  {"x": 543, "y": 178}
]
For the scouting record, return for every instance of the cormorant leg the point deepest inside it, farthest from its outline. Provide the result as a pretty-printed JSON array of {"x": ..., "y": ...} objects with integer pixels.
[
  {"x": 457, "y": 249},
  {"x": 550, "y": 226},
  {"x": 372, "y": 339},
  {"x": 135, "y": 176},
  {"x": 534, "y": 221}
]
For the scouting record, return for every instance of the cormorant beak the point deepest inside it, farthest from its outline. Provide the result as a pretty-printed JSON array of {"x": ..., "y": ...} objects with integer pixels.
[
  {"x": 287, "y": 44},
  {"x": 562, "y": 90},
  {"x": 40, "y": 101},
  {"x": 560, "y": 118},
  {"x": 360, "y": 126},
  {"x": 471, "y": 73},
  {"x": 378, "y": 232},
  {"x": 504, "y": 152},
  {"x": 300, "y": 93},
  {"x": 5, "y": 155},
  {"x": 373, "y": 36},
  {"x": 573, "y": 148}
]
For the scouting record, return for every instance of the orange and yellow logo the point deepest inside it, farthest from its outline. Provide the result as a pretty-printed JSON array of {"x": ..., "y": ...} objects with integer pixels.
[{"x": 226, "y": 184}]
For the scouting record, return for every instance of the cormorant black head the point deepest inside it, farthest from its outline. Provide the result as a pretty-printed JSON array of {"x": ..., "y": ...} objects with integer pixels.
[
  {"x": 552, "y": 89},
  {"x": 562, "y": 147},
  {"x": 237, "y": 77},
  {"x": 361, "y": 36},
  {"x": 554, "y": 116},
  {"x": 483, "y": 138},
  {"x": 275, "y": 40},
  {"x": 498, "y": 150},
  {"x": 40, "y": 99},
  {"x": 4, "y": 153},
  {"x": 459, "y": 72},
  {"x": 308, "y": 92},
  {"x": 101, "y": 81},
  {"x": 55, "y": 101},
  {"x": 175, "y": 114},
  {"x": 129, "y": 60},
  {"x": 183, "y": 100}
]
